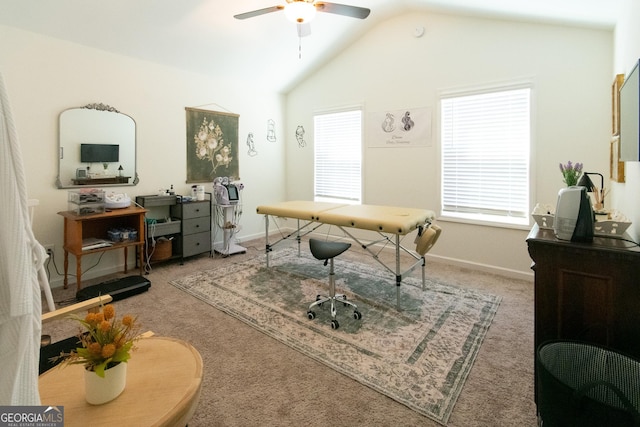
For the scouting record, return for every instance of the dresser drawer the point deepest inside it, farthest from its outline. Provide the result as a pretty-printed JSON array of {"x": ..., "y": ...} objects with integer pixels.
[
  {"x": 195, "y": 210},
  {"x": 196, "y": 244},
  {"x": 197, "y": 225}
]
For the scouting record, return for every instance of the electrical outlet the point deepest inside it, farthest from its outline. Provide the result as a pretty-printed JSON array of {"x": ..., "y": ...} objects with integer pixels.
[{"x": 49, "y": 248}]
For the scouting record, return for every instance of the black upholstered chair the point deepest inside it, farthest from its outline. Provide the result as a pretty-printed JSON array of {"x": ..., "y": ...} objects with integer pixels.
[{"x": 327, "y": 251}]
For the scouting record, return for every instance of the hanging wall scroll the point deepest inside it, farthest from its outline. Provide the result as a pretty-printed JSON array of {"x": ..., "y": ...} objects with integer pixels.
[{"x": 212, "y": 145}]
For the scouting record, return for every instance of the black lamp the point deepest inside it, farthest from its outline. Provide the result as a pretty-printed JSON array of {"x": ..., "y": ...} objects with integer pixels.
[
  {"x": 120, "y": 169},
  {"x": 585, "y": 181}
]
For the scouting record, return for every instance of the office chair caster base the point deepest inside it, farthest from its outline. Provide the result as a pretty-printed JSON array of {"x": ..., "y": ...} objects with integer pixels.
[
  {"x": 357, "y": 315},
  {"x": 334, "y": 324},
  {"x": 311, "y": 315}
]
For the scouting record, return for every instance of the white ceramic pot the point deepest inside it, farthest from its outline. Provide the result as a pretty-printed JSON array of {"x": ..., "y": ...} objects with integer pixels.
[{"x": 100, "y": 390}]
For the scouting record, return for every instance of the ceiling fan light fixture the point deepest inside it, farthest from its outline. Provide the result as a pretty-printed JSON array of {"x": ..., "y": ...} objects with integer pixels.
[{"x": 300, "y": 11}]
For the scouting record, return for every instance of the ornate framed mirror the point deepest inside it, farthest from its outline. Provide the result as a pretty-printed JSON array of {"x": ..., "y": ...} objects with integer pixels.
[{"x": 97, "y": 148}]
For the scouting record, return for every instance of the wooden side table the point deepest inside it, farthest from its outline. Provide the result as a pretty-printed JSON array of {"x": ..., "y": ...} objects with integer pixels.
[
  {"x": 164, "y": 379},
  {"x": 79, "y": 227},
  {"x": 586, "y": 291}
]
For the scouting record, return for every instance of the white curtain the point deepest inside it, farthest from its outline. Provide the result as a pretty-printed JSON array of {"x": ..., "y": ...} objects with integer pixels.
[{"x": 21, "y": 256}]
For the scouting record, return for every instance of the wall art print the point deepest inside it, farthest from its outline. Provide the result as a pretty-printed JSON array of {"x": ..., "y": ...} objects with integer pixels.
[
  {"x": 615, "y": 104},
  {"x": 212, "y": 145},
  {"x": 252, "y": 145},
  {"x": 616, "y": 167},
  {"x": 271, "y": 130},
  {"x": 409, "y": 127},
  {"x": 300, "y": 136}
]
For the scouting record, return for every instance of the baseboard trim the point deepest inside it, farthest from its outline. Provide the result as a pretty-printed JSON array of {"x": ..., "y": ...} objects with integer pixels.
[{"x": 500, "y": 271}]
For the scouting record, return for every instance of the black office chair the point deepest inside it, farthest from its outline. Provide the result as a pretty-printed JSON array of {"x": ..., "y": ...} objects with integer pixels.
[{"x": 326, "y": 251}]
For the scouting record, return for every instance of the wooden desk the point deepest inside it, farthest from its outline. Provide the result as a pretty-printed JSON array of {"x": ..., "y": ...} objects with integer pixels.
[
  {"x": 588, "y": 292},
  {"x": 164, "y": 379},
  {"x": 78, "y": 227}
]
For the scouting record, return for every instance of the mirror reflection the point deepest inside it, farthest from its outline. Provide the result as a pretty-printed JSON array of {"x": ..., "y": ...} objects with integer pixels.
[{"x": 97, "y": 147}]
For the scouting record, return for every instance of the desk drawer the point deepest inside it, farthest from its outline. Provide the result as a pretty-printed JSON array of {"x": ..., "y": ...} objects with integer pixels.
[
  {"x": 163, "y": 228},
  {"x": 197, "y": 225},
  {"x": 196, "y": 244},
  {"x": 195, "y": 209}
]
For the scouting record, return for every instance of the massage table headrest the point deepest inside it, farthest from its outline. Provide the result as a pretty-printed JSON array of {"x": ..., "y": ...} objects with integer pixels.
[{"x": 427, "y": 238}]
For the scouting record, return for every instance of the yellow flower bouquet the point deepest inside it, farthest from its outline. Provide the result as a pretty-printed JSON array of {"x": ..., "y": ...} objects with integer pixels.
[{"x": 106, "y": 341}]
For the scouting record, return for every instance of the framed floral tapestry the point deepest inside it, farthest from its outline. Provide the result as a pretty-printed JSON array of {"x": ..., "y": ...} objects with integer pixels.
[{"x": 212, "y": 145}]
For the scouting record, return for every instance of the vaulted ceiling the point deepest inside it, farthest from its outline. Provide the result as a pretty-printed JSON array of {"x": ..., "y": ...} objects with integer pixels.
[{"x": 203, "y": 36}]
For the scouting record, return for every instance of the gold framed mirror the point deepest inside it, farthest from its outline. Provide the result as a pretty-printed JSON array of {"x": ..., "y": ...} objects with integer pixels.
[{"x": 97, "y": 147}]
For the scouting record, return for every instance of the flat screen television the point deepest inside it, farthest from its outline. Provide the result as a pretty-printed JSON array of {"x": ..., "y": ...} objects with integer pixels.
[
  {"x": 630, "y": 117},
  {"x": 99, "y": 153}
]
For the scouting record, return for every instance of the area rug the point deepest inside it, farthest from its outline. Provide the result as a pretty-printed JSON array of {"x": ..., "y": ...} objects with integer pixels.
[{"x": 419, "y": 356}]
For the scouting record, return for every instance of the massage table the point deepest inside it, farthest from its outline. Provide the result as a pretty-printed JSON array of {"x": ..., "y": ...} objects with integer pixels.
[{"x": 386, "y": 221}]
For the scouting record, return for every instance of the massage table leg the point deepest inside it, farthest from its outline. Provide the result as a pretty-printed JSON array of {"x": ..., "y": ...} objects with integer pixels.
[
  {"x": 298, "y": 236},
  {"x": 267, "y": 247},
  {"x": 298, "y": 233},
  {"x": 424, "y": 278},
  {"x": 398, "y": 273}
]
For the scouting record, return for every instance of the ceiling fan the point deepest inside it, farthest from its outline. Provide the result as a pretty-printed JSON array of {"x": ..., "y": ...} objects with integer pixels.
[{"x": 303, "y": 11}]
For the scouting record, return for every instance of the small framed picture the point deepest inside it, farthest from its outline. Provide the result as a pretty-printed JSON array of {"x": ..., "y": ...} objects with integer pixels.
[
  {"x": 615, "y": 104},
  {"x": 616, "y": 166}
]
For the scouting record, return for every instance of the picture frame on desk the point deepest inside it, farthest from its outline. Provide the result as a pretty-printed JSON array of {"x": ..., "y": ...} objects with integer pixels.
[{"x": 616, "y": 166}]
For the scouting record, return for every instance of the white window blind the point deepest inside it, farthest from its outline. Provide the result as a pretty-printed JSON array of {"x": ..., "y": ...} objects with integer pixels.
[
  {"x": 338, "y": 156},
  {"x": 485, "y": 155}
]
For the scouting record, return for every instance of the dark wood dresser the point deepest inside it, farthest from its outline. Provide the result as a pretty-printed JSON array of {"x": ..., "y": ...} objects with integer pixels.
[{"x": 586, "y": 291}]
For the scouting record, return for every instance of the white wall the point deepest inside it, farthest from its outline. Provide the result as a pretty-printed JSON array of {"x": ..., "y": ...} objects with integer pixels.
[
  {"x": 45, "y": 76},
  {"x": 387, "y": 69},
  {"x": 624, "y": 196},
  {"x": 390, "y": 69}
]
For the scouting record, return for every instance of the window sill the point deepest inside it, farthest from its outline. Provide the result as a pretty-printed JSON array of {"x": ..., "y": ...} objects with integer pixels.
[{"x": 486, "y": 220}]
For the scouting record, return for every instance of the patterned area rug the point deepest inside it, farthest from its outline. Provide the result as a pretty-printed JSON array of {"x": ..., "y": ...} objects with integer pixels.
[{"x": 420, "y": 356}]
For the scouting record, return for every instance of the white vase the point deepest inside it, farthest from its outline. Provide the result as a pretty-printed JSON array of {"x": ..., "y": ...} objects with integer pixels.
[{"x": 100, "y": 390}]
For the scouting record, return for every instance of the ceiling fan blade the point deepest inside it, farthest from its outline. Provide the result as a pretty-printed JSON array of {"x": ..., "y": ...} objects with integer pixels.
[
  {"x": 343, "y": 9},
  {"x": 304, "y": 29},
  {"x": 258, "y": 12}
]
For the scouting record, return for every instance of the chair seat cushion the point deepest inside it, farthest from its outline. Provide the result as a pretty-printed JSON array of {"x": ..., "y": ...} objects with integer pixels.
[{"x": 322, "y": 249}]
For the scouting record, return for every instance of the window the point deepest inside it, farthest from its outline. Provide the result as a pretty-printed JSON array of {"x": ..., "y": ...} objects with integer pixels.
[
  {"x": 338, "y": 156},
  {"x": 485, "y": 155}
]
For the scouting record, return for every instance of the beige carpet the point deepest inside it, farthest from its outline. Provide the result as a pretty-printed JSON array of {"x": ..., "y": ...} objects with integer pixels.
[
  {"x": 419, "y": 356},
  {"x": 252, "y": 379}
]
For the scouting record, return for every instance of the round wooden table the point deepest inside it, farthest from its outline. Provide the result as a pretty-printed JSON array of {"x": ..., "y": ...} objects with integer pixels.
[{"x": 164, "y": 378}]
